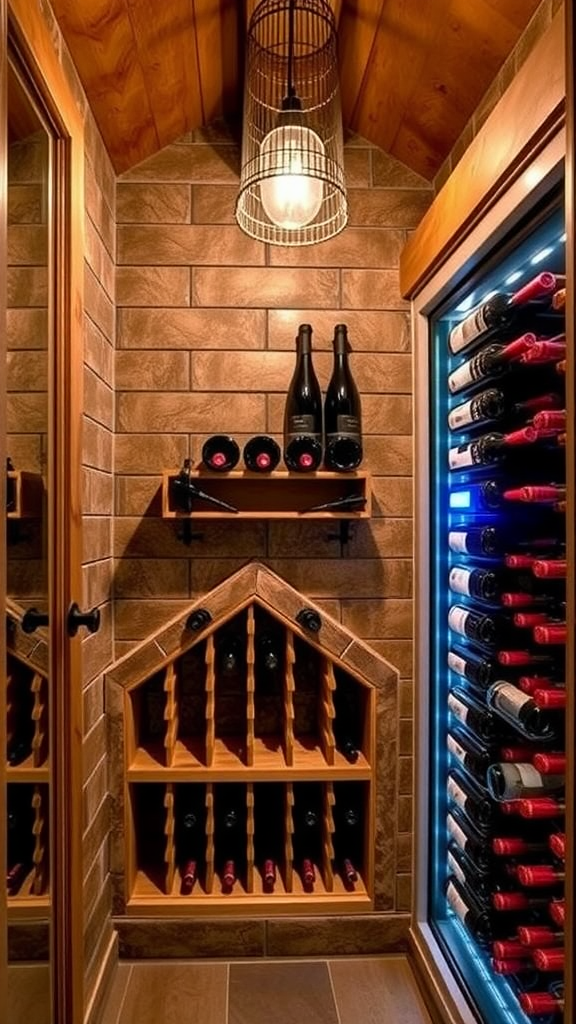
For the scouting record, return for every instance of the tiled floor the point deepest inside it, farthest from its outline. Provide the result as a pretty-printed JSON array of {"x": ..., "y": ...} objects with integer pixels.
[
  {"x": 375, "y": 990},
  {"x": 378, "y": 990}
]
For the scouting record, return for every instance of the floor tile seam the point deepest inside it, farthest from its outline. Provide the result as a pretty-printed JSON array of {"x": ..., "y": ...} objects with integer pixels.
[
  {"x": 124, "y": 996},
  {"x": 333, "y": 990}
]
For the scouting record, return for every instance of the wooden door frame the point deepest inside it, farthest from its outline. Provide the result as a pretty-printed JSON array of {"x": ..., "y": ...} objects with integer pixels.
[
  {"x": 29, "y": 35},
  {"x": 4, "y": 259}
]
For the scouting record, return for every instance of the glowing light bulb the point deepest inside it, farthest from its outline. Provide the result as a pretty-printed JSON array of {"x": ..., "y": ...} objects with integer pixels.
[{"x": 291, "y": 157}]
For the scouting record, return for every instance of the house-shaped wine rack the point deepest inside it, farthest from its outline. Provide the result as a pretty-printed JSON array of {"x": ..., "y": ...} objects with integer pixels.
[
  {"x": 27, "y": 769},
  {"x": 244, "y": 709}
]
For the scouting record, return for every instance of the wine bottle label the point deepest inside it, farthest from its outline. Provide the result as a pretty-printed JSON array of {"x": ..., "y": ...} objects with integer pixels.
[
  {"x": 456, "y": 663},
  {"x": 463, "y": 455},
  {"x": 456, "y": 749},
  {"x": 457, "y": 619},
  {"x": 459, "y": 580},
  {"x": 456, "y": 832},
  {"x": 346, "y": 426},
  {"x": 462, "y": 415},
  {"x": 461, "y": 377},
  {"x": 465, "y": 332},
  {"x": 456, "y": 902},
  {"x": 304, "y": 424},
  {"x": 458, "y": 709},
  {"x": 456, "y": 794},
  {"x": 518, "y": 778},
  {"x": 455, "y": 868},
  {"x": 508, "y": 699},
  {"x": 457, "y": 541}
]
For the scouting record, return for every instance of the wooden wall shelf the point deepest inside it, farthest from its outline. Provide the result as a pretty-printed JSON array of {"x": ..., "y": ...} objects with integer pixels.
[
  {"x": 277, "y": 495},
  {"x": 24, "y": 494}
]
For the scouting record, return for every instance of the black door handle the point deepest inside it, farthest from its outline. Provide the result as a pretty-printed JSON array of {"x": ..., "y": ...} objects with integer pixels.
[
  {"x": 32, "y": 618},
  {"x": 76, "y": 618}
]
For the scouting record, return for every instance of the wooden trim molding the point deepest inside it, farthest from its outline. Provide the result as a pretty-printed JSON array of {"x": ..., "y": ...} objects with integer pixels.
[
  {"x": 523, "y": 121},
  {"x": 4, "y": 259},
  {"x": 33, "y": 42}
]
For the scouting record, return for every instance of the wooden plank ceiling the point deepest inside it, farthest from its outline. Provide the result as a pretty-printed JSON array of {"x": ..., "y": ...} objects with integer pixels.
[{"x": 411, "y": 71}]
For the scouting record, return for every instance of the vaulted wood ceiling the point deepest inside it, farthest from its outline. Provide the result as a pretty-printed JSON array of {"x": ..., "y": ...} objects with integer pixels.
[{"x": 411, "y": 71}]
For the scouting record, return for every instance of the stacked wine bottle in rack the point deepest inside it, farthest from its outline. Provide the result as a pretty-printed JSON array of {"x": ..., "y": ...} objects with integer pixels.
[
  {"x": 506, "y": 638},
  {"x": 27, "y": 801},
  {"x": 249, "y": 768}
]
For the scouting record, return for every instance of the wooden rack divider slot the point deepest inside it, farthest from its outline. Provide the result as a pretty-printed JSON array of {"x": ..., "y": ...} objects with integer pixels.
[
  {"x": 250, "y": 686},
  {"x": 250, "y": 838},
  {"x": 209, "y": 837},
  {"x": 289, "y": 687},
  {"x": 39, "y": 854},
  {"x": 327, "y": 712},
  {"x": 170, "y": 714},
  {"x": 10, "y": 706},
  {"x": 288, "y": 833},
  {"x": 327, "y": 834},
  {"x": 39, "y": 719},
  {"x": 210, "y": 701},
  {"x": 169, "y": 847}
]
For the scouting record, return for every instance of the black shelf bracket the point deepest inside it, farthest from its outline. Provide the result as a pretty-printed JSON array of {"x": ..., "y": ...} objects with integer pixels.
[
  {"x": 343, "y": 535},
  {"x": 185, "y": 533}
]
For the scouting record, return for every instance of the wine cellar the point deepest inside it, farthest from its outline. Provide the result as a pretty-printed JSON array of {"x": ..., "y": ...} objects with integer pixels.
[
  {"x": 27, "y": 772},
  {"x": 250, "y": 753}
]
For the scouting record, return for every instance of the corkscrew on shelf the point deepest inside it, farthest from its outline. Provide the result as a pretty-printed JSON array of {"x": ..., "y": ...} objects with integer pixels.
[{"x": 185, "y": 492}]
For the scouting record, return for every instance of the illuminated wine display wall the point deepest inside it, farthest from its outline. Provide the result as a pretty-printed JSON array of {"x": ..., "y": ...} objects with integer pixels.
[{"x": 499, "y": 630}]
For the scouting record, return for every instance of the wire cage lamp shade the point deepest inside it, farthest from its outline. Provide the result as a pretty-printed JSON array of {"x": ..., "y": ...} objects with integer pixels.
[{"x": 292, "y": 188}]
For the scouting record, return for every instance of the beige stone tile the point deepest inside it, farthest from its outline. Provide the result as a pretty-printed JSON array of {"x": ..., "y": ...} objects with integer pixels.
[
  {"x": 98, "y": 399},
  {"x": 242, "y": 371},
  {"x": 405, "y": 742},
  {"x": 406, "y": 701},
  {"x": 207, "y": 412},
  {"x": 355, "y": 247},
  {"x": 143, "y": 538},
  {"x": 379, "y": 619},
  {"x": 26, "y": 286},
  {"x": 99, "y": 259},
  {"x": 94, "y": 881},
  {"x": 368, "y": 330},
  {"x": 381, "y": 538},
  {"x": 152, "y": 371},
  {"x": 96, "y": 834},
  {"x": 349, "y": 935},
  {"x": 366, "y": 577},
  {"x": 403, "y": 892},
  {"x": 98, "y": 305},
  {"x": 387, "y": 208},
  {"x": 371, "y": 289},
  {"x": 94, "y": 767},
  {"x": 98, "y": 922},
  {"x": 192, "y": 328},
  {"x": 96, "y": 445},
  {"x": 214, "y": 204},
  {"x": 146, "y": 286},
  {"x": 25, "y": 204},
  {"x": 405, "y": 808},
  {"x": 405, "y": 782},
  {"x": 532, "y": 33},
  {"x": 98, "y": 648},
  {"x": 26, "y": 451},
  {"x": 398, "y": 652},
  {"x": 26, "y": 413},
  {"x": 391, "y": 496},
  {"x": 207, "y": 573},
  {"x": 98, "y": 352},
  {"x": 201, "y": 938},
  {"x": 381, "y": 414},
  {"x": 96, "y": 537},
  {"x": 207, "y": 164},
  {"x": 270, "y": 286},
  {"x": 150, "y": 453},
  {"x": 97, "y": 582},
  {"x": 26, "y": 329},
  {"x": 26, "y": 160},
  {"x": 389, "y": 455},
  {"x": 27, "y": 371},
  {"x": 27, "y": 245},
  {"x": 357, "y": 167},
  {"x": 153, "y": 204},
  {"x": 92, "y": 703},
  {"x": 390, "y": 173},
  {"x": 145, "y": 577},
  {"x": 138, "y": 496},
  {"x": 188, "y": 244},
  {"x": 99, "y": 209},
  {"x": 97, "y": 492},
  {"x": 376, "y": 991}
]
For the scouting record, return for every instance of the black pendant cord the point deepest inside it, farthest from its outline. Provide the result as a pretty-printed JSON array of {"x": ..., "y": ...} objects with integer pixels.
[{"x": 290, "y": 74}]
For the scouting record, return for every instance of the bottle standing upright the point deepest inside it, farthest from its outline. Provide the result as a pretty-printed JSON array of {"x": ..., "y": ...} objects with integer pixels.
[
  {"x": 342, "y": 411},
  {"x": 303, "y": 410}
]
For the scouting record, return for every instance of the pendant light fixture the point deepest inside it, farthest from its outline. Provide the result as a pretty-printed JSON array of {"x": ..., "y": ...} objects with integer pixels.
[{"x": 292, "y": 178}]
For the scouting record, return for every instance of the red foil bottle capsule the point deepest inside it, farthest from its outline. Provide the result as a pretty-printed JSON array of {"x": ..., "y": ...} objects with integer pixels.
[
  {"x": 539, "y": 1004},
  {"x": 554, "y": 699},
  {"x": 541, "y": 935},
  {"x": 557, "y": 911},
  {"x": 557, "y": 843},
  {"x": 549, "y": 959},
  {"x": 505, "y": 949},
  {"x": 538, "y": 875},
  {"x": 308, "y": 875},
  {"x": 269, "y": 875},
  {"x": 541, "y": 807},
  {"x": 549, "y": 764},
  {"x": 189, "y": 874},
  {"x": 228, "y": 876},
  {"x": 551, "y": 633}
]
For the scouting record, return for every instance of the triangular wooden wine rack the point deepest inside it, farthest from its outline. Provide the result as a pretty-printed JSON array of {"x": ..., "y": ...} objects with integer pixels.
[{"x": 317, "y": 733}]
